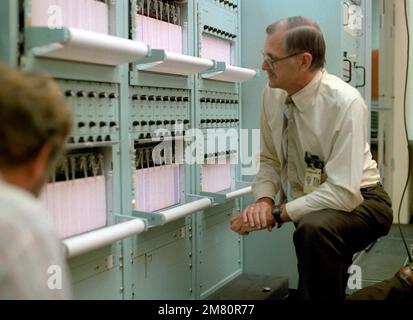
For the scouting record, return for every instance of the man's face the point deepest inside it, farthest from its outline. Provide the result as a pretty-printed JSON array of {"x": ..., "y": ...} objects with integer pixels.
[{"x": 281, "y": 74}]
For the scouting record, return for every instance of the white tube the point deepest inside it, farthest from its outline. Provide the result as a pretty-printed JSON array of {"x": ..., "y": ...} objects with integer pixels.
[
  {"x": 96, "y": 239},
  {"x": 239, "y": 193},
  {"x": 186, "y": 209},
  {"x": 93, "y": 47},
  {"x": 232, "y": 74},
  {"x": 179, "y": 64}
]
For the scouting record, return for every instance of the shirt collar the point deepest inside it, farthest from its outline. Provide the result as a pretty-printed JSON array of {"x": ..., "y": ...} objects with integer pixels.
[{"x": 305, "y": 97}]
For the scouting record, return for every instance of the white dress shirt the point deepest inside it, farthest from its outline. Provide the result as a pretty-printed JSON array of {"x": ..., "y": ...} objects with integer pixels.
[
  {"x": 329, "y": 120},
  {"x": 32, "y": 261}
]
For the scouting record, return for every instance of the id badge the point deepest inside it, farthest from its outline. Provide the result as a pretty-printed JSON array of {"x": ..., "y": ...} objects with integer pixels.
[{"x": 312, "y": 179}]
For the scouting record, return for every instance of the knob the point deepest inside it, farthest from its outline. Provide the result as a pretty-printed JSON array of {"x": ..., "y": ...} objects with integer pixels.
[
  {"x": 102, "y": 124},
  {"x": 165, "y": 98},
  {"x": 186, "y": 121},
  {"x": 141, "y": 136},
  {"x": 112, "y": 124},
  {"x": 158, "y": 122},
  {"x": 214, "y": 121},
  {"x": 180, "y": 99},
  {"x": 203, "y": 100},
  {"x": 144, "y": 97},
  {"x": 151, "y": 98},
  {"x": 81, "y": 140},
  {"x": 202, "y": 120},
  {"x": 186, "y": 99},
  {"x": 90, "y": 139},
  {"x": 135, "y": 123},
  {"x": 166, "y": 122},
  {"x": 108, "y": 138},
  {"x": 135, "y": 97},
  {"x": 99, "y": 139},
  {"x": 208, "y": 121},
  {"x": 173, "y": 121},
  {"x": 113, "y": 95},
  {"x": 151, "y": 123},
  {"x": 158, "y": 98},
  {"x": 81, "y": 124},
  {"x": 148, "y": 136},
  {"x": 93, "y": 94},
  {"x": 71, "y": 140},
  {"x": 144, "y": 123},
  {"x": 103, "y": 95},
  {"x": 92, "y": 124},
  {"x": 70, "y": 93},
  {"x": 172, "y": 99},
  {"x": 81, "y": 94}
]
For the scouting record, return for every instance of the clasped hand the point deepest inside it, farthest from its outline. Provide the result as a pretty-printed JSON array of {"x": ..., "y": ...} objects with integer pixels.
[{"x": 257, "y": 216}]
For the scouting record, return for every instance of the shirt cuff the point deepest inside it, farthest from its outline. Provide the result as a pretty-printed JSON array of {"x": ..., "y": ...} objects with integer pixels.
[
  {"x": 297, "y": 208},
  {"x": 263, "y": 191}
]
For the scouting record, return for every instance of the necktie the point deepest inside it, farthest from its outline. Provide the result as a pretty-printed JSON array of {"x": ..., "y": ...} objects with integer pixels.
[{"x": 284, "y": 146}]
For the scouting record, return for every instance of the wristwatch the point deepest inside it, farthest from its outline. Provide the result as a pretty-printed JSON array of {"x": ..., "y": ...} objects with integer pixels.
[{"x": 277, "y": 216}]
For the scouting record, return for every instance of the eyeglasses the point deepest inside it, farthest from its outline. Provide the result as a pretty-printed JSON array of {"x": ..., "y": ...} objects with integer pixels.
[{"x": 271, "y": 60}]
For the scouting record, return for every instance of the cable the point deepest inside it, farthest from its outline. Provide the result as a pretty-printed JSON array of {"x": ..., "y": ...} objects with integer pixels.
[{"x": 405, "y": 129}]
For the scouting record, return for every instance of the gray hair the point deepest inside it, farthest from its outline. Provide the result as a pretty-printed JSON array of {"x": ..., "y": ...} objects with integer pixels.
[
  {"x": 302, "y": 35},
  {"x": 33, "y": 113}
]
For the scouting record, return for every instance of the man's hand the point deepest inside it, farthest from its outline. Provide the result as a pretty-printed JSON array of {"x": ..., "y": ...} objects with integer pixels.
[
  {"x": 238, "y": 226},
  {"x": 259, "y": 215}
]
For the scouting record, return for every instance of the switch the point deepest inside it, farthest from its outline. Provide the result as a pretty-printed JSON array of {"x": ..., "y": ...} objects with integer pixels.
[
  {"x": 70, "y": 93},
  {"x": 102, "y": 124}
]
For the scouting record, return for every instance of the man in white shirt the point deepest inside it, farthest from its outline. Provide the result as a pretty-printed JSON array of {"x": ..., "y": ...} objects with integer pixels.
[
  {"x": 34, "y": 123},
  {"x": 315, "y": 154}
]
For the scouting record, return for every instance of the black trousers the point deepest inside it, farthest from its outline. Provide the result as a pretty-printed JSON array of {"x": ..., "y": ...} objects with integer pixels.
[
  {"x": 394, "y": 289},
  {"x": 325, "y": 242}
]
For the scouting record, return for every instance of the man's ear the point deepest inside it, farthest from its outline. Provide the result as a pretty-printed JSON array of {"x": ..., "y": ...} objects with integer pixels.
[
  {"x": 39, "y": 164},
  {"x": 306, "y": 61}
]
